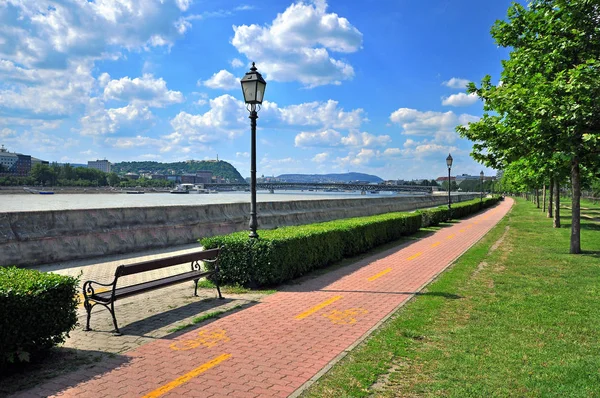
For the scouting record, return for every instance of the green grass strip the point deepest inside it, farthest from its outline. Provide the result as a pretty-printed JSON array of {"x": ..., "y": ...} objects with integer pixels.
[{"x": 518, "y": 319}]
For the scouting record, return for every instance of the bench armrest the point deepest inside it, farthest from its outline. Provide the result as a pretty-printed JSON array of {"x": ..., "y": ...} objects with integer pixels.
[{"x": 88, "y": 287}]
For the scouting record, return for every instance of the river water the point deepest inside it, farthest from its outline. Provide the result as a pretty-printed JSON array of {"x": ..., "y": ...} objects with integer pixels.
[{"x": 58, "y": 201}]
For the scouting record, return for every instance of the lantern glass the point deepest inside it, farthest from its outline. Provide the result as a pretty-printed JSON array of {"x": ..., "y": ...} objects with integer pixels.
[
  {"x": 449, "y": 160},
  {"x": 253, "y": 86},
  {"x": 260, "y": 91},
  {"x": 481, "y": 174}
]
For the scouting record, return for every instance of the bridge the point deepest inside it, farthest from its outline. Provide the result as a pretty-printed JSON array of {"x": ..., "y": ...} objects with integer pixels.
[{"x": 321, "y": 187}]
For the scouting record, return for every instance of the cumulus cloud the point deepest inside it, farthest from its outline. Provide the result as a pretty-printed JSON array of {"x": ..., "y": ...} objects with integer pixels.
[
  {"x": 236, "y": 63},
  {"x": 326, "y": 114},
  {"x": 326, "y": 138},
  {"x": 51, "y": 34},
  {"x": 226, "y": 118},
  {"x": 430, "y": 124},
  {"x": 101, "y": 121},
  {"x": 224, "y": 80},
  {"x": 456, "y": 82},
  {"x": 460, "y": 99},
  {"x": 146, "y": 91},
  {"x": 320, "y": 157},
  {"x": 296, "y": 46}
]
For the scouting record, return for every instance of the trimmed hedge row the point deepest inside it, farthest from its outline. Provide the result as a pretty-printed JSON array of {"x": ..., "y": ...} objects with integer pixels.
[
  {"x": 286, "y": 253},
  {"x": 37, "y": 311}
]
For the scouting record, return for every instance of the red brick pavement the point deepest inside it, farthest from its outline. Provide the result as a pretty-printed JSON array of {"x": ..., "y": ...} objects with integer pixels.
[{"x": 273, "y": 348}]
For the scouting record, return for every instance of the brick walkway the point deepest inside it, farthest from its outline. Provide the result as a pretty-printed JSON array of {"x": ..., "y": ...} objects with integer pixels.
[{"x": 274, "y": 348}]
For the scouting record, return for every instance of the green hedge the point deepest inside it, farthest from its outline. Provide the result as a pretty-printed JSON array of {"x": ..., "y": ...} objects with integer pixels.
[
  {"x": 37, "y": 311},
  {"x": 285, "y": 253},
  {"x": 282, "y": 254}
]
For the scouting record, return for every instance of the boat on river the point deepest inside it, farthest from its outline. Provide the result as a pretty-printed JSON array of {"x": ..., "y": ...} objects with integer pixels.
[{"x": 191, "y": 188}]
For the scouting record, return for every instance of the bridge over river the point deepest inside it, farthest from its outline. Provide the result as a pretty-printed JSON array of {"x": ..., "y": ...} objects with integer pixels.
[{"x": 324, "y": 187}]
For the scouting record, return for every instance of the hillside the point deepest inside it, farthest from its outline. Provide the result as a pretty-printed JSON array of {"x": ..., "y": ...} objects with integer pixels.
[
  {"x": 218, "y": 168},
  {"x": 315, "y": 178}
]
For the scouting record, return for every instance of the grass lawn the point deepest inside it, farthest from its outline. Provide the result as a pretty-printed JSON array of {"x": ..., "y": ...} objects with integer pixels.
[{"x": 515, "y": 316}]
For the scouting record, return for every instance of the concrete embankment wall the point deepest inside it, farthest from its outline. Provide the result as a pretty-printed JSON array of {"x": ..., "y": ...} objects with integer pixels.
[{"x": 42, "y": 237}]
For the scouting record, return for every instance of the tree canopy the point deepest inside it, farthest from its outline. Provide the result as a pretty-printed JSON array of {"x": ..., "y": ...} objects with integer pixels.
[{"x": 543, "y": 118}]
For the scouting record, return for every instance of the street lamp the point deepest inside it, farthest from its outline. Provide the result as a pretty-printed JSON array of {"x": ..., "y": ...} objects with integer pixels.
[
  {"x": 449, "y": 164},
  {"x": 253, "y": 87},
  {"x": 481, "y": 186}
]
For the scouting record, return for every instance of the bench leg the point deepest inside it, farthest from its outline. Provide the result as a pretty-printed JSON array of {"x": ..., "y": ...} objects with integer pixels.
[
  {"x": 219, "y": 291},
  {"x": 88, "y": 308},
  {"x": 196, "y": 287},
  {"x": 117, "y": 332}
]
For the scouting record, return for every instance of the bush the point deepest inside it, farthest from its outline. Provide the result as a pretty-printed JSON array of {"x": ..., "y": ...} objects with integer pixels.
[
  {"x": 286, "y": 253},
  {"x": 37, "y": 311}
]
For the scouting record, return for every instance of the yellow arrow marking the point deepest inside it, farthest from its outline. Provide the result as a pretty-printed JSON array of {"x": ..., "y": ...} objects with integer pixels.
[
  {"x": 379, "y": 275},
  {"x": 318, "y": 307},
  {"x": 187, "y": 377},
  {"x": 450, "y": 236},
  {"x": 436, "y": 244}
]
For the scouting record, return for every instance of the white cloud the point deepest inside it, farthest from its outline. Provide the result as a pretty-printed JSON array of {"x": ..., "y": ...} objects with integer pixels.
[
  {"x": 146, "y": 91},
  {"x": 326, "y": 138},
  {"x": 430, "y": 124},
  {"x": 101, "y": 121},
  {"x": 236, "y": 63},
  {"x": 51, "y": 34},
  {"x": 460, "y": 99},
  {"x": 456, "y": 82},
  {"x": 297, "y": 44},
  {"x": 326, "y": 114},
  {"x": 365, "y": 140},
  {"x": 320, "y": 157},
  {"x": 224, "y": 80},
  {"x": 225, "y": 119}
]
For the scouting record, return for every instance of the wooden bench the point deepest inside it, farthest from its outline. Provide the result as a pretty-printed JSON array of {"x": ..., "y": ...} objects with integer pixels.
[{"x": 107, "y": 297}]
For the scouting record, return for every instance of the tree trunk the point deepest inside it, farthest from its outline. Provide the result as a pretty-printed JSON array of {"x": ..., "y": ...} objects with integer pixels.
[
  {"x": 550, "y": 197},
  {"x": 544, "y": 199},
  {"x": 537, "y": 198},
  {"x": 557, "y": 204},
  {"x": 575, "y": 208}
]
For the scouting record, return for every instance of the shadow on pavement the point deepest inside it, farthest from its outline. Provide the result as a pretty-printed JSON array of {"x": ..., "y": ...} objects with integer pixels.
[{"x": 57, "y": 370}]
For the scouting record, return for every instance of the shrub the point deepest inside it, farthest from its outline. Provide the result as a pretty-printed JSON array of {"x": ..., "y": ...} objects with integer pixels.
[
  {"x": 37, "y": 311},
  {"x": 285, "y": 253}
]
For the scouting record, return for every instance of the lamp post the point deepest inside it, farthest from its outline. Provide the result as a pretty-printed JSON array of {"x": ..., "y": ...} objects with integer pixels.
[
  {"x": 449, "y": 164},
  {"x": 253, "y": 87},
  {"x": 481, "y": 186}
]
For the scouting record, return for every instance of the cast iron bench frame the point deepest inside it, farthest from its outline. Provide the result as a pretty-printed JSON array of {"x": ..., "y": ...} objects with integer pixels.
[{"x": 108, "y": 298}]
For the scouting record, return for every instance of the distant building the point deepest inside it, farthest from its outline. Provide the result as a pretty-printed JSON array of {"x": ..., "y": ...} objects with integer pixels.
[
  {"x": 17, "y": 164},
  {"x": 102, "y": 165},
  {"x": 200, "y": 177}
]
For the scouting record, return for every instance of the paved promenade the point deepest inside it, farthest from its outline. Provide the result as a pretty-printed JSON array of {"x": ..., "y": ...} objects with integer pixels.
[{"x": 278, "y": 346}]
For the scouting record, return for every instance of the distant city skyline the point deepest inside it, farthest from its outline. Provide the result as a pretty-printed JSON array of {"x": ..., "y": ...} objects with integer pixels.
[{"x": 373, "y": 88}]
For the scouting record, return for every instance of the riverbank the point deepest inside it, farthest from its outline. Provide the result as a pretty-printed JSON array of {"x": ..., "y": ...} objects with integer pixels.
[{"x": 41, "y": 237}]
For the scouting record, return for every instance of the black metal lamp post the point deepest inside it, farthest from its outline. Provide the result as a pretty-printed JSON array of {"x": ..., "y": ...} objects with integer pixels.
[
  {"x": 449, "y": 164},
  {"x": 253, "y": 87},
  {"x": 481, "y": 186}
]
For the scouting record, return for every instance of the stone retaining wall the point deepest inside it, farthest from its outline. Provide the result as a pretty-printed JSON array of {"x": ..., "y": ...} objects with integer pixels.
[{"x": 42, "y": 237}]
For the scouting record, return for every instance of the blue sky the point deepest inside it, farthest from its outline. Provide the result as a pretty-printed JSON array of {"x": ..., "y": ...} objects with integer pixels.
[{"x": 375, "y": 86}]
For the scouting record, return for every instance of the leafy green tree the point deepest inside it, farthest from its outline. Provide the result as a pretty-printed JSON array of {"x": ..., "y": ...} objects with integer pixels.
[
  {"x": 43, "y": 174},
  {"x": 546, "y": 108}
]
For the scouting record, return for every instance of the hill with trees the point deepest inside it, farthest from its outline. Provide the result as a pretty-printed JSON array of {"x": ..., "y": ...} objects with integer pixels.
[{"x": 218, "y": 168}]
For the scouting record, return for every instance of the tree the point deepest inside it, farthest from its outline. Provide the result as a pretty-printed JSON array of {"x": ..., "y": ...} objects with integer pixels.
[
  {"x": 42, "y": 173},
  {"x": 546, "y": 109}
]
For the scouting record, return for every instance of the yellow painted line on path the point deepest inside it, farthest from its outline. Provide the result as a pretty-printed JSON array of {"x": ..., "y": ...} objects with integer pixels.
[
  {"x": 187, "y": 377},
  {"x": 436, "y": 244},
  {"x": 462, "y": 230},
  {"x": 318, "y": 307},
  {"x": 450, "y": 236},
  {"x": 415, "y": 256},
  {"x": 379, "y": 275}
]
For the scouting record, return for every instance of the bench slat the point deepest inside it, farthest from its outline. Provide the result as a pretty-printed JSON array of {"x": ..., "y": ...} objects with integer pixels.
[
  {"x": 131, "y": 290},
  {"x": 150, "y": 265}
]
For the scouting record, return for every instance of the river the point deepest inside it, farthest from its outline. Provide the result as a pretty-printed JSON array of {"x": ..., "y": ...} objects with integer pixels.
[{"x": 72, "y": 201}]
